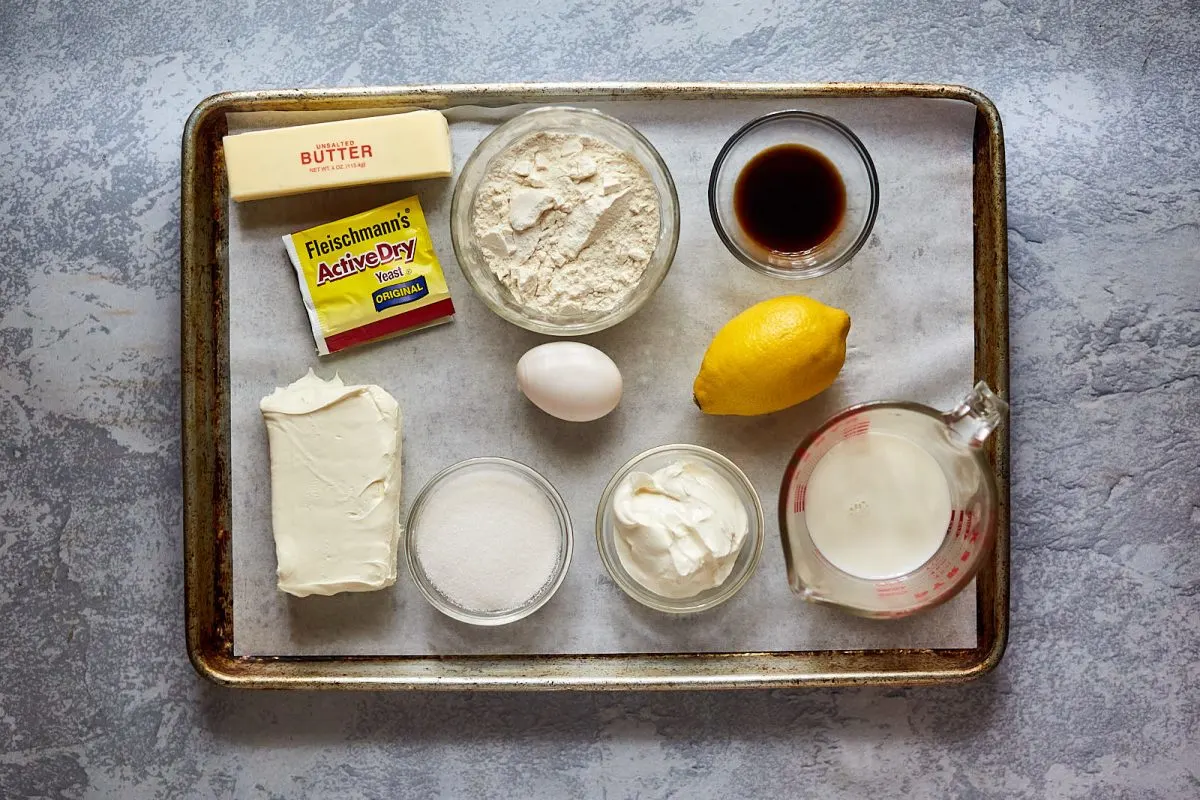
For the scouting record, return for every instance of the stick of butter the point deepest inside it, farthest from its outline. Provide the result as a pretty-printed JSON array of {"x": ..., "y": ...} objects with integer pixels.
[
  {"x": 335, "y": 485},
  {"x": 330, "y": 155}
]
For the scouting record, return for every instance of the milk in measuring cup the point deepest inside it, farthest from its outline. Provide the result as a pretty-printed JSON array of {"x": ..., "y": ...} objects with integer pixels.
[{"x": 877, "y": 506}]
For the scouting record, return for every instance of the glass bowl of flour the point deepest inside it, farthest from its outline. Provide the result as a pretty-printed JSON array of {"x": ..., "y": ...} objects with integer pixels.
[{"x": 565, "y": 220}]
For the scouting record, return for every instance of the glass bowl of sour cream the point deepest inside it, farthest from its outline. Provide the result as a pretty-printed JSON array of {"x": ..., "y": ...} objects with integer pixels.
[{"x": 680, "y": 528}]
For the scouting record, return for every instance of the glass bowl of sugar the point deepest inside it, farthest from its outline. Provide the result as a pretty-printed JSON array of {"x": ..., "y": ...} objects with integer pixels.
[{"x": 488, "y": 541}]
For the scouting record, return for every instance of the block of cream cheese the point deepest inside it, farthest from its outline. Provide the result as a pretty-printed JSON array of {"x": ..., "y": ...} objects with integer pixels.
[
  {"x": 335, "y": 485},
  {"x": 328, "y": 155}
]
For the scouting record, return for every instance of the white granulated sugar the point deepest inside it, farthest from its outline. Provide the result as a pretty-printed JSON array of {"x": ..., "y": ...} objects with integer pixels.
[
  {"x": 488, "y": 539},
  {"x": 567, "y": 222}
]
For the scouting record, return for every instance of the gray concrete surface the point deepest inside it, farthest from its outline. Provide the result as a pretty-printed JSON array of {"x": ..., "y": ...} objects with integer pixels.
[{"x": 1098, "y": 696}]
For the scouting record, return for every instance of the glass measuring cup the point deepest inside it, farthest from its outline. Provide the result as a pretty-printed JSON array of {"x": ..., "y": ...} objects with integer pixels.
[{"x": 954, "y": 439}]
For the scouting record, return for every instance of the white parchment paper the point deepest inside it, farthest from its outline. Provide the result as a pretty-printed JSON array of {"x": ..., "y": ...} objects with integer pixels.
[{"x": 909, "y": 293}]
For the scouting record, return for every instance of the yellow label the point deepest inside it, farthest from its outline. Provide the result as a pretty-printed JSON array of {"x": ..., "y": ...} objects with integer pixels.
[{"x": 370, "y": 276}]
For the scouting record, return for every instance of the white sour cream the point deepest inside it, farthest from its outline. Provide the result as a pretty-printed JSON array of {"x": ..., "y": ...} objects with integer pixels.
[{"x": 679, "y": 529}]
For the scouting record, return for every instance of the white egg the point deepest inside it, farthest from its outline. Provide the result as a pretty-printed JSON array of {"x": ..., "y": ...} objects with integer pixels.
[{"x": 570, "y": 380}]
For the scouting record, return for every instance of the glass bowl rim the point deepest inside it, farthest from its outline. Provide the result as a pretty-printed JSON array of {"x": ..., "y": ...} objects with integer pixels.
[
  {"x": 683, "y": 605},
  {"x": 444, "y": 604},
  {"x": 820, "y": 269},
  {"x": 668, "y": 213}
]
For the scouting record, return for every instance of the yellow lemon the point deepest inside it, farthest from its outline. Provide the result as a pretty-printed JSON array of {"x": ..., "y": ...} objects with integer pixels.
[{"x": 773, "y": 355}]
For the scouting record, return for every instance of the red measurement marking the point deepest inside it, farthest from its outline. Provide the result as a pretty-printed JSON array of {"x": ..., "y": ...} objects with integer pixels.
[
  {"x": 966, "y": 554},
  {"x": 891, "y": 589},
  {"x": 938, "y": 586},
  {"x": 921, "y": 595},
  {"x": 955, "y": 528},
  {"x": 965, "y": 518},
  {"x": 856, "y": 428},
  {"x": 798, "y": 502},
  {"x": 952, "y": 573}
]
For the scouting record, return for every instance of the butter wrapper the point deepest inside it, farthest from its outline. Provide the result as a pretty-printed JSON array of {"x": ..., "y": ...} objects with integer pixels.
[{"x": 370, "y": 276}]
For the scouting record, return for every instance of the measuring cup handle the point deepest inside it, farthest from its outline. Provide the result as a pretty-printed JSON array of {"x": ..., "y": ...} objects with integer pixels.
[{"x": 977, "y": 416}]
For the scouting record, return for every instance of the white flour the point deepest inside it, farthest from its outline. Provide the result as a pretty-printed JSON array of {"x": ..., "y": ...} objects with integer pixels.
[{"x": 567, "y": 222}]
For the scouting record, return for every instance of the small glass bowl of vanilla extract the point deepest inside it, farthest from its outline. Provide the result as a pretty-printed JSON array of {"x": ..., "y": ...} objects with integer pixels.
[{"x": 794, "y": 194}]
